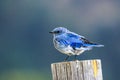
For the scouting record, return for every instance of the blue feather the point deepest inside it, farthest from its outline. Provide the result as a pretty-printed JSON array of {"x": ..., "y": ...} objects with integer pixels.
[
  {"x": 72, "y": 35},
  {"x": 62, "y": 41},
  {"x": 76, "y": 45}
]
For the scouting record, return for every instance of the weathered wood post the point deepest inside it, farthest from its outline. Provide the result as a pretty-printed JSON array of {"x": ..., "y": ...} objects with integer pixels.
[{"x": 77, "y": 70}]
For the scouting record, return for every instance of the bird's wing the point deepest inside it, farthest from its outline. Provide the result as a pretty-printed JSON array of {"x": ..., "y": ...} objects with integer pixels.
[
  {"x": 85, "y": 41},
  {"x": 61, "y": 41},
  {"x": 88, "y": 43},
  {"x": 78, "y": 41},
  {"x": 75, "y": 40},
  {"x": 79, "y": 38}
]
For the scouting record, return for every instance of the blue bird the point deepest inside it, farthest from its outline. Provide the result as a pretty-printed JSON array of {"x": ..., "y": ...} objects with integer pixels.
[{"x": 70, "y": 43}]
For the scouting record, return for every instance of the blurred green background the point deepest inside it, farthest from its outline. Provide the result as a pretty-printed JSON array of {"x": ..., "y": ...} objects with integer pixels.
[{"x": 26, "y": 48}]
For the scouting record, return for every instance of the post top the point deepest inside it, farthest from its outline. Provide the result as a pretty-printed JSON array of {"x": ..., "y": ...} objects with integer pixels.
[{"x": 78, "y": 61}]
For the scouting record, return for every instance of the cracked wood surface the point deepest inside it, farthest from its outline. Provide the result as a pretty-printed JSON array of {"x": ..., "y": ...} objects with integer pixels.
[{"x": 77, "y": 70}]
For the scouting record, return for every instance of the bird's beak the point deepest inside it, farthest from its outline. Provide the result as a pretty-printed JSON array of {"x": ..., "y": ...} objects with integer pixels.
[{"x": 51, "y": 32}]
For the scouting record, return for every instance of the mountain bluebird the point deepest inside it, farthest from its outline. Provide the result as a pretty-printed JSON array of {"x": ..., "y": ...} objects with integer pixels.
[{"x": 70, "y": 43}]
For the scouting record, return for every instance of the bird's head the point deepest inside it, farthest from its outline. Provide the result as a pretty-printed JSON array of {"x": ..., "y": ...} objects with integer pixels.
[{"x": 59, "y": 30}]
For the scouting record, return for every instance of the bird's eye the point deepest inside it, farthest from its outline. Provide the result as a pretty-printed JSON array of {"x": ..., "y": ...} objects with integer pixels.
[{"x": 58, "y": 31}]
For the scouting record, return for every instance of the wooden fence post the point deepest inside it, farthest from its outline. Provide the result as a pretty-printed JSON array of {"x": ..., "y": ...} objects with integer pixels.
[{"x": 77, "y": 70}]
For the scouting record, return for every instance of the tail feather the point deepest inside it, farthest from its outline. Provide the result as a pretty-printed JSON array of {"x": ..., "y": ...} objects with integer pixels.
[
  {"x": 98, "y": 45},
  {"x": 94, "y": 45}
]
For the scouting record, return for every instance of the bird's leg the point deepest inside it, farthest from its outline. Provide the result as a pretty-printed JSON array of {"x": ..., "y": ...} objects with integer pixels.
[
  {"x": 75, "y": 58},
  {"x": 66, "y": 58}
]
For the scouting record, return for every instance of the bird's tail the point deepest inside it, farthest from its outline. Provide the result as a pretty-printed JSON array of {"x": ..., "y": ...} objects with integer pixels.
[
  {"x": 93, "y": 45},
  {"x": 96, "y": 45}
]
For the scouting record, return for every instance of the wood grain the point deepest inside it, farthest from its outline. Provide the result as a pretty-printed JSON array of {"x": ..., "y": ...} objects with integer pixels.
[{"x": 77, "y": 70}]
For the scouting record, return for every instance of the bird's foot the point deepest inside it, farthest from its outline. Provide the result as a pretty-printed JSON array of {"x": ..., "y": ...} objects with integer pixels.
[{"x": 66, "y": 58}]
